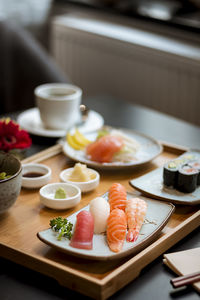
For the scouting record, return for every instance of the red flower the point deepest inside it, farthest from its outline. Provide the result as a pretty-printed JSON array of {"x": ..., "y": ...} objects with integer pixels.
[{"x": 12, "y": 137}]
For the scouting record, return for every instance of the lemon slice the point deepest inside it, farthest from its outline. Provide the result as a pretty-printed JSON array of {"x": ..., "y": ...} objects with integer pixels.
[
  {"x": 73, "y": 143},
  {"x": 77, "y": 141},
  {"x": 80, "y": 138}
]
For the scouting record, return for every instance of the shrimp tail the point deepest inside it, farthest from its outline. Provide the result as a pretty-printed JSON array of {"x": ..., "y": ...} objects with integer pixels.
[{"x": 132, "y": 235}]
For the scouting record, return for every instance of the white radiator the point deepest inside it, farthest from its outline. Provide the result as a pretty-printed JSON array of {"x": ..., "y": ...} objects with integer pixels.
[{"x": 142, "y": 67}]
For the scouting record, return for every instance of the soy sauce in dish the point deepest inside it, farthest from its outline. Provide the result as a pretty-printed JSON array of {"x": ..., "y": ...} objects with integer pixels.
[{"x": 33, "y": 174}]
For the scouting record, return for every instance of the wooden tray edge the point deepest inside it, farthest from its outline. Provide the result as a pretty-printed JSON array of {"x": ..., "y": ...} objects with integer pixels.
[{"x": 174, "y": 148}]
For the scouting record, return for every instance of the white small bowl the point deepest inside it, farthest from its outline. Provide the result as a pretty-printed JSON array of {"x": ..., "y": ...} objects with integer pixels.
[
  {"x": 35, "y": 182},
  {"x": 47, "y": 193},
  {"x": 84, "y": 186}
]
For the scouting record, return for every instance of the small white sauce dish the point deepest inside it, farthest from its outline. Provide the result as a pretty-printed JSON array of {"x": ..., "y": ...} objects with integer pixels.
[
  {"x": 35, "y": 175},
  {"x": 47, "y": 195},
  {"x": 86, "y": 186}
]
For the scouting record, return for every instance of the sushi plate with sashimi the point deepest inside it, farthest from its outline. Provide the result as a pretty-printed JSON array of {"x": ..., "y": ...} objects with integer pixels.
[
  {"x": 157, "y": 215},
  {"x": 111, "y": 148},
  {"x": 178, "y": 181}
]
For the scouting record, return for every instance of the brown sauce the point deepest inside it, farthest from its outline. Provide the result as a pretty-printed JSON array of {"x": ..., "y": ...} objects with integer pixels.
[{"x": 33, "y": 174}]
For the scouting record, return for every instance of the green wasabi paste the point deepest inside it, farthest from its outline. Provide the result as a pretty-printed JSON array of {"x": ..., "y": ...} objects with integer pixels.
[{"x": 60, "y": 194}]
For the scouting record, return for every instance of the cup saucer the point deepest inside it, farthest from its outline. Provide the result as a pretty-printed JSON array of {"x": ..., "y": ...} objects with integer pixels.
[{"x": 30, "y": 121}]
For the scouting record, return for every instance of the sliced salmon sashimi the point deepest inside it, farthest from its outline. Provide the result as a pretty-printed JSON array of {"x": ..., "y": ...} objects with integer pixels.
[{"x": 104, "y": 148}]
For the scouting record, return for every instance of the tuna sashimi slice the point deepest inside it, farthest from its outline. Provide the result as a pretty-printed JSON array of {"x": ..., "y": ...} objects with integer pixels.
[{"x": 84, "y": 230}]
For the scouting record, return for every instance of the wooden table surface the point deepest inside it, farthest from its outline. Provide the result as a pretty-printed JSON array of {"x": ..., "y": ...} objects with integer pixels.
[{"x": 154, "y": 281}]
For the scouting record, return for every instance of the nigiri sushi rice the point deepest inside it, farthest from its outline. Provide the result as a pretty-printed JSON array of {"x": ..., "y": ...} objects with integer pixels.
[{"x": 100, "y": 210}]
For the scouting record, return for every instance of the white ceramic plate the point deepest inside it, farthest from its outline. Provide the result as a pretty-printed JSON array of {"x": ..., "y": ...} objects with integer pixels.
[
  {"x": 158, "y": 214},
  {"x": 30, "y": 121},
  {"x": 149, "y": 149},
  {"x": 151, "y": 185}
]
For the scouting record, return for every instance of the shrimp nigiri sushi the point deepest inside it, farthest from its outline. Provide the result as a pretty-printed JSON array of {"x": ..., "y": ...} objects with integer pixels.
[
  {"x": 104, "y": 148},
  {"x": 135, "y": 211},
  {"x": 116, "y": 229},
  {"x": 117, "y": 196},
  {"x": 84, "y": 230}
]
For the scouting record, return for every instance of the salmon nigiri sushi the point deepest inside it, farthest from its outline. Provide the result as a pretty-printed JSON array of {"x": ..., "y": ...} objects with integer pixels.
[
  {"x": 116, "y": 229},
  {"x": 104, "y": 148},
  {"x": 84, "y": 230},
  {"x": 117, "y": 196}
]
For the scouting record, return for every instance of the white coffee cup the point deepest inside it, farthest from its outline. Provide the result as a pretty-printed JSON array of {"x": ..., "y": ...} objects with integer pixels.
[{"x": 58, "y": 104}]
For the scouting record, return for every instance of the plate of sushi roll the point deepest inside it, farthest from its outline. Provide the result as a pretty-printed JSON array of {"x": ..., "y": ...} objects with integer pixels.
[
  {"x": 178, "y": 181},
  {"x": 111, "y": 148},
  {"x": 112, "y": 226}
]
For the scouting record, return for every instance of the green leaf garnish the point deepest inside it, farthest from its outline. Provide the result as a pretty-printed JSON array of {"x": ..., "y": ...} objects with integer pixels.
[
  {"x": 62, "y": 226},
  {"x": 3, "y": 176}
]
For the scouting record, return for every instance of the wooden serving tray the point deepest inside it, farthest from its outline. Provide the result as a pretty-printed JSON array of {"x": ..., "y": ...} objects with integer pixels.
[{"x": 97, "y": 279}]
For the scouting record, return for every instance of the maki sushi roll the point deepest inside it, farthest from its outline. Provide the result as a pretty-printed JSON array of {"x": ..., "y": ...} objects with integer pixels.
[
  {"x": 170, "y": 174},
  {"x": 187, "y": 179},
  {"x": 196, "y": 164}
]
